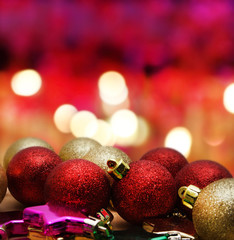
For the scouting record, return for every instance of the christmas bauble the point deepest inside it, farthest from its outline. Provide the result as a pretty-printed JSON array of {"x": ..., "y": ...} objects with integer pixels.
[
  {"x": 79, "y": 185},
  {"x": 147, "y": 190},
  {"x": 27, "y": 173},
  {"x": 213, "y": 212},
  {"x": 201, "y": 173},
  {"x": 22, "y": 144},
  {"x": 100, "y": 155},
  {"x": 77, "y": 148},
  {"x": 3, "y": 183},
  {"x": 167, "y": 157}
]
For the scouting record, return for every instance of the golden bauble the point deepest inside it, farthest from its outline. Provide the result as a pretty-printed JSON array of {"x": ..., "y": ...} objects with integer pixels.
[
  {"x": 22, "y": 144},
  {"x": 100, "y": 155},
  {"x": 77, "y": 148},
  {"x": 213, "y": 212},
  {"x": 3, "y": 183}
]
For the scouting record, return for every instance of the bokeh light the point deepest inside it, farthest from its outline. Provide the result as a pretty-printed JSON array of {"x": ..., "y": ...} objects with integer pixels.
[
  {"x": 137, "y": 137},
  {"x": 215, "y": 141},
  {"x": 63, "y": 116},
  {"x": 180, "y": 139},
  {"x": 104, "y": 134},
  {"x": 83, "y": 124},
  {"x": 26, "y": 82},
  {"x": 112, "y": 88},
  {"x": 124, "y": 123},
  {"x": 228, "y": 98},
  {"x": 171, "y": 76},
  {"x": 143, "y": 132}
]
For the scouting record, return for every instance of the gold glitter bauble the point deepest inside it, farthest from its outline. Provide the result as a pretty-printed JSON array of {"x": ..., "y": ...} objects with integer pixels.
[
  {"x": 100, "y": 155},
  {"x": 77, "y": 148},
  {"x": 22, "y": 144},
  {"x": 3, "y": 183},
  {"x": 213, "y": 212}
]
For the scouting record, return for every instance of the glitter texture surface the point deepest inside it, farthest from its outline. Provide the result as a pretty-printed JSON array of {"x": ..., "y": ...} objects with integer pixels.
[
  {"x": 77, "y": 148},
  {"x": 3, "y": 183},
  {"x": 148, "y": 190},
  {"x": 167, "y": 157},
  {"x": 201, "y": 173},
  {"x": 100, "y": 155},
  {"x": 20, "y": 145},
  {"x": 27, "y": 173},
  {"x": 213, "y": 212},
  {"x": 78, "y": 184}
]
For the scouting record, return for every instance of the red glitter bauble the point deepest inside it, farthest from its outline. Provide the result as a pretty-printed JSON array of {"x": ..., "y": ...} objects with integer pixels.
[
  {"x": 167, "y": 157},
  {"x": 27, "y": 173},
  {"x": 201, "y": 173},
  {"x": 148, "y": 190},
  {"x": 3, "y": 183},
  {"x": 79, "y": 185}
]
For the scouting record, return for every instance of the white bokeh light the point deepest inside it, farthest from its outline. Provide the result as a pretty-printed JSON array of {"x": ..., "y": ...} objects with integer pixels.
[
  {"x": 63, "y": 116},
  {"x": 180, "y": 139},
  {"x": 112, "y": 88},
  {"x": 26, "y": 82},
  {"x": 228, "y": 98},
  {"x": 83, "y": 124},
  {"x": 138, "y": 136},
  {"x": 115, "y": 99},
  {"x": 124, "y": 123}
]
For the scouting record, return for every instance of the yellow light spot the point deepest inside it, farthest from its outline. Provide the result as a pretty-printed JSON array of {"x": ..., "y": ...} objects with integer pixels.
[
  {"x": 142, "y": 133},
  {"x": 26, "y": 83},
  {"x": 124, "y": 123},
  {"x": 104, "y": 134},
  {"x": 83, "y": 124},
  {"x": 63, "y": 116},
  {"x": 138, "y": 137},
  {"x": 228, "y": 98},
  {"x": 180, "y": 139},
  {"x": 112, "y": 88}
]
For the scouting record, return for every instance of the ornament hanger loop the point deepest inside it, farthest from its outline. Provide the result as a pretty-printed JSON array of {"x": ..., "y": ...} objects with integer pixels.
[
  {"x": 181, "y": 191},
  {"x": 189, "y": 195},
  {"x": 117, "y": 168}
]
